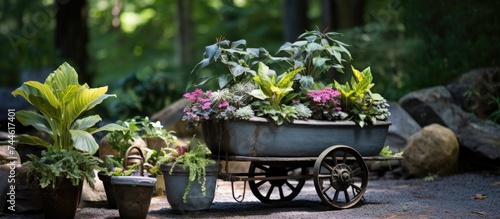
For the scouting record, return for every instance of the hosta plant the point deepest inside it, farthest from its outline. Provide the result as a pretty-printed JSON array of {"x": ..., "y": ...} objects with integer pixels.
[{"x": 61, "y": 104}]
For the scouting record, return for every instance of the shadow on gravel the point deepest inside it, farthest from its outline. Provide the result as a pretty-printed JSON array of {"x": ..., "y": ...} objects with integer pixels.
[{"x": 225, "y": 209}]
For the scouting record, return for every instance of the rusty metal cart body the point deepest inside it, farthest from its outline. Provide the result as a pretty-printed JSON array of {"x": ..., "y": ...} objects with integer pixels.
[{"x": 282, "y": 158}]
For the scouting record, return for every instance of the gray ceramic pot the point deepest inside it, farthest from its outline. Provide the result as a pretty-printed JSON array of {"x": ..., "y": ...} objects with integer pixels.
[{"x": 175, "y": 185}]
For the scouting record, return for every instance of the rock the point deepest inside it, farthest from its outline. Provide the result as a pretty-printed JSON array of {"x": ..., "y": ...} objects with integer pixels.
[
  {"x": 171, "y": 118},
  {"x": 481, "y": 86},
  {"x": 433, "y": 150},
  {"x": 433, "y": 105},
  {"x": 403, "y": 126},
  {"x": 479, "y": 145},
  {"x": 93, "y": 194}
]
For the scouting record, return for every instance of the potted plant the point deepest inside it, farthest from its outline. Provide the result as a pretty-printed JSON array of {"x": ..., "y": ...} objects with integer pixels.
[
  {"x": 280, "y": 99},
  {"x": 155, "y": 135},
  {"x": 120, "y": 140},
  {"x": 132, "y": 186},
  {"x": 190, "y": 176},
  {"x": 68, "y": 159}
]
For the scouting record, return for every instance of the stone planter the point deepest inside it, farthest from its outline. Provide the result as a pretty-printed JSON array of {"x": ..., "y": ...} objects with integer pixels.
[
  {"x": 175, "y": 185},
  {"x": 302, "y": 138},
  {"x": 133, "y": 195}
]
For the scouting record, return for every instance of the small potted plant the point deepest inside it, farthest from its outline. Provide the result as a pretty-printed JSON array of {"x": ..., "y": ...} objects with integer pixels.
[
  {"x": 68, "y": 159},
  {"x": 132, "y": 186},
  {"x": 190, "y": 176},
  {"x": 121, "y": 141},
  {"x": 155, "y": 135}
]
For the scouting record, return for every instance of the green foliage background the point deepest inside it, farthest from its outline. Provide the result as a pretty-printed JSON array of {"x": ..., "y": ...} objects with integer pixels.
[{"x": 408, "y": 44}]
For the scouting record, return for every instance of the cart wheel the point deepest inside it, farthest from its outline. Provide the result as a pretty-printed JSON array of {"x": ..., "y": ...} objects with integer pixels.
[
  {"x": 340, "y": 176},
  {"x": 264, "y": 189}
]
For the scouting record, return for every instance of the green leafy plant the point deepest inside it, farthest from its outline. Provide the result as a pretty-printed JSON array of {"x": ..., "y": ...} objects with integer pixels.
[
  {"x": 122, "y": 139},
  {"x": 359, "y": 103},
  {"x": 134, "y": 128},
  {"x": 194, "y": 157},
  {"x": 272, "y": 90},
  {"x": 235, "y": 56},
  {"x": 430, "y": 177},
  {"x": 61, "y": 101},
  {"x": 317, "y": 52},
  {"x": 284, "y": 97}
]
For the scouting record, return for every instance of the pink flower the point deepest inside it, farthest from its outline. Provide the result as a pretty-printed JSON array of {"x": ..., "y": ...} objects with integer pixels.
[
  {"x": 223, "y": 105},
  {"x": 193, "y": 95},
  {"x": 206, "y": 106}
]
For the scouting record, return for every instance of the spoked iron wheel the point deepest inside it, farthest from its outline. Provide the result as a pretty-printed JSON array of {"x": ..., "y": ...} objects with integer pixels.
[
  {"x": 269, "y": 190},
  {"x": 340, "y": 177}
]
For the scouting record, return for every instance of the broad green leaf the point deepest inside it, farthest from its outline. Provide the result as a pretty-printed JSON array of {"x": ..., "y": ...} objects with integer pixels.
[
  {"x": 237, "y": 43},
  {"x": 34, "y": 89},
  {"x": 257, "y": 93},
  {"x": 211, "y": 50},
  {"x": 306, "y": 81},
  {"x": 357, "y": 74},
  {"x": 287, "y": 79},
  {"x": 319, "y": 62},
  {"x": 32, "y": 140},
  {"x": 45, "y": 108},
  {"x": 39, "y": 122},
  {"x": 109, "y": 128},
  {"x": 223, "y": 80},
  {"x": 84, "y": 141},
  {"x": 64, "y": 76},
  {"x": 85, "y": 123},
  {"x": 84, "y": 100}
]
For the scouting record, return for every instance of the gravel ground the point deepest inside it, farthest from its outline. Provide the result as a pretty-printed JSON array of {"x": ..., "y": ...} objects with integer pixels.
[{"x": 469, "y": 195}]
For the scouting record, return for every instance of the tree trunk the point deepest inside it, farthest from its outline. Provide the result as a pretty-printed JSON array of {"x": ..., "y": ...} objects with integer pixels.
[
  {"x": 295, "y": 17},
  {"x": 72, "y": 35},
  {"x": 341, "y": 14},
  {"x": 184, "y": 45}
]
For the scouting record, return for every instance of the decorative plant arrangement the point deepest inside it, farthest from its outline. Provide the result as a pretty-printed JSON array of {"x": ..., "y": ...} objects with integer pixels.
[
  {"x": 190, "y": 176},
  {"x": 285, "y": 87},
  {"x": 61, "y": 101}
]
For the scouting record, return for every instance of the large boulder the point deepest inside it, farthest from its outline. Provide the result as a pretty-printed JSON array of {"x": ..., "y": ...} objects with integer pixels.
[
  {"x": 473, "y": 91},
  {"x": 433, "y": 150},
  {"x": 479, "y": 145},
  {"x": 433, "y": 105},
  {"x": 478, "y": 138},
  {"x": 402, "y": 127}
]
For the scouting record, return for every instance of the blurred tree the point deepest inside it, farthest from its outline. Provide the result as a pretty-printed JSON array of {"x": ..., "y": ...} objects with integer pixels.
[
  {"x": 72, "y": 35},
  {"x": 295, "y": 18}
]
